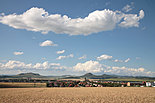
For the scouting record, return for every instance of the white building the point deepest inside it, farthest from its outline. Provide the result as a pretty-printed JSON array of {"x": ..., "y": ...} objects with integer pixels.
[
  {"x": 153, "y": 84},
  {"x": 148, "y": 84}
]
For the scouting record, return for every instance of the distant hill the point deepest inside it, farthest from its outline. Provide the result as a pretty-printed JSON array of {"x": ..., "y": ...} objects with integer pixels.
[
  {"x": 92, "y": 76},
  {"x": 24, "y": 75},
  {"x": 109, "y": 77},
  {"x": 87, "y": 75},
  {"x": 30, "y": 75}
]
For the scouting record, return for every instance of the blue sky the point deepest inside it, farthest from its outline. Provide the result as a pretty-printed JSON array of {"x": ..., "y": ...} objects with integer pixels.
[{"x": 98, "y": 36}]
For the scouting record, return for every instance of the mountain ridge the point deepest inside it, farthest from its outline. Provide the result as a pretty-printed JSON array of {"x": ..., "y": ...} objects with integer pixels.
[{"x": 87, "y": 76}]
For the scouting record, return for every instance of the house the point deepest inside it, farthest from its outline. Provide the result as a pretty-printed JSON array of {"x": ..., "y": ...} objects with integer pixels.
[
  {"x": 128, "y": 84},
  {"x": 153, "y": 84},
  {"x": 148, "y": 84},
  {"x": 99, "y": 86}
]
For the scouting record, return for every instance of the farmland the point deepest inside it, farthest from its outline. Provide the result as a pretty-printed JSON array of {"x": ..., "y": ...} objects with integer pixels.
[
  {"x": 78, "y": 95},
  {"x": 21, "y": 85}
]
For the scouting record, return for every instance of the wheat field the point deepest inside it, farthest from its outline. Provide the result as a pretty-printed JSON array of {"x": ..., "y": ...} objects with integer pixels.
[
  {"x": 78, "y": 95},
  {"x": 21, "y": 85}
]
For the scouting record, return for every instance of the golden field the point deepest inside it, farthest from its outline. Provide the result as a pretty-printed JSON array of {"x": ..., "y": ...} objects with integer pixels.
[
  {"x": 78, "y": 95},
  {"x": 21, "y": 85}
]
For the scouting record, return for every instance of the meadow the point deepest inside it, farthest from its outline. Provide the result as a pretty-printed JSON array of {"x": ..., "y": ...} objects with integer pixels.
[{"x": 78, "y": 95}]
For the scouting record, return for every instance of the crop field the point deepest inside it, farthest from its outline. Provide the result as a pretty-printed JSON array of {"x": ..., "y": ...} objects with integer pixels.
[
  {"x": 78, "y": 95},
  {"x": 21, "y": 85}
]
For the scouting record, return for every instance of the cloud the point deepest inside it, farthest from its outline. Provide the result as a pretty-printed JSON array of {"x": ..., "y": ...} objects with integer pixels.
[
  {"x": 96, "y": 67},
  {"x": 116, "y": 60},
  {"x": 131, "y": 20},
  {"x": 18, "y": 53},
  {"x": 2, "y": 14},
  {"x": 89, "y": 66},
  {"x": 83, "y": 57},
  {"x": 13, "y": 64},
  {"x": 127, "y": 60},
  {"x": 63, "y": 57},
  {"x": 108, "y": 57},
  {"x": 104, "y": 57},
  {"x": 127, "y": 8},
  {"x": 48, "y": 43},
  {"x": 130, "y": 71},
  {"x": 60, "y": 52},
  {"x": 46, "y": 65},
  {"x": 38, "y": 20}
]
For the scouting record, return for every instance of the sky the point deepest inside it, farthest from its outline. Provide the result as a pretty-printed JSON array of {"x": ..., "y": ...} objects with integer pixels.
[{"x": 74, "y": 37}]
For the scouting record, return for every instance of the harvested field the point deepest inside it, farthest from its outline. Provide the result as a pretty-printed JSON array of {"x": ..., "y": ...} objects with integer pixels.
[
  {"x": 21, "y": 85},
  {"x": 78, "y": 95}
]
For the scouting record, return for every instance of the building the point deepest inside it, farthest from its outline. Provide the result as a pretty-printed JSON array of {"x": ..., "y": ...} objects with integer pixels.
[
  {"x": 128, "y": 84},
  {"x": 153, "y": 84},
  {"x": 148, "y": 84}
]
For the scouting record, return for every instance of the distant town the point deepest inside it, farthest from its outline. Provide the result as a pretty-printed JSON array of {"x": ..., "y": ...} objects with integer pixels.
[
  {"x": 87, "y": 80},
  {"x": 98, "y": 83}
]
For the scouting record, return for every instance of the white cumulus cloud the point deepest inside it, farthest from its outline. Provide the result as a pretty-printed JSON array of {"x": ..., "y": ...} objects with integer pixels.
[
  {"x": 38, "y": 20},
  {"x": 63, "y": 57},
  {"x": 13, "y": 64},
  {"x": 60, "y": 52},
  {"x": 89, "y": 66},
  {"x": 104, "y": 57},
  {"x": 130, "y": 71},
  {"x": 18, "y": 53},
  {"x": 48, "y": 43},
  {"x": 108, "y": 57},
  {"x": 131, "y": 20},
  {"x": 45, "y": 65},
  {"x": 96, "y": 67}
]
